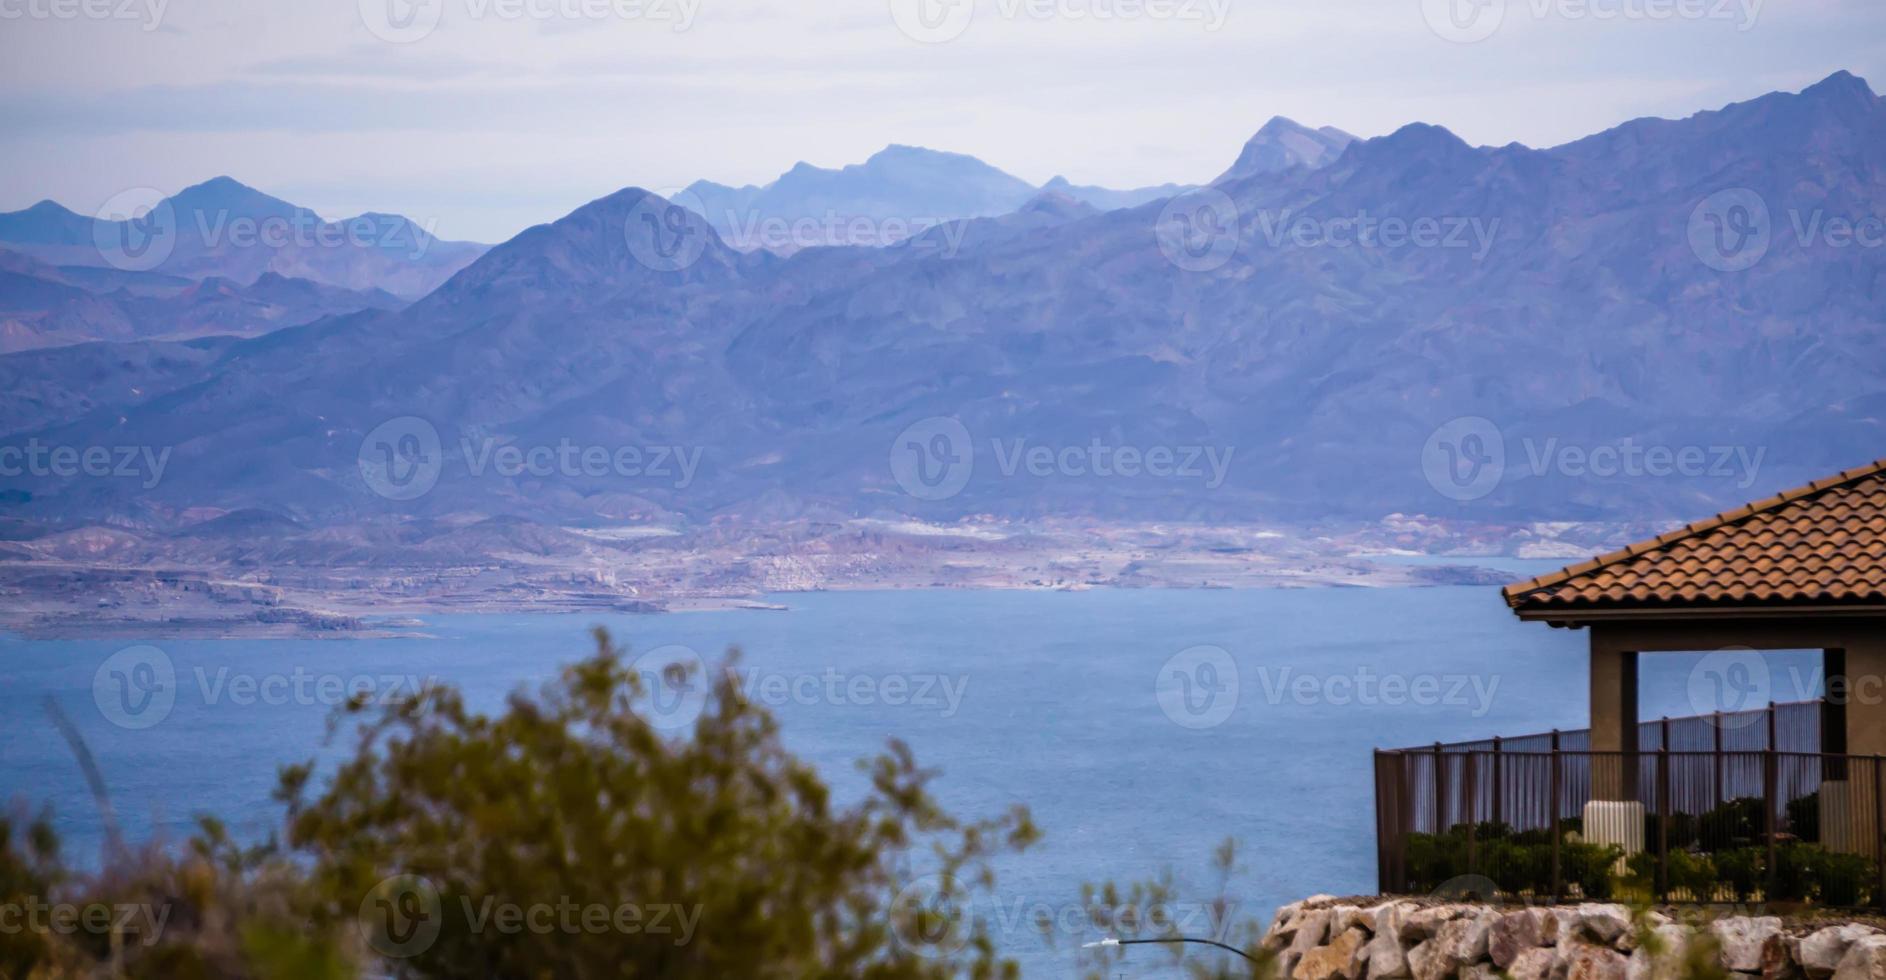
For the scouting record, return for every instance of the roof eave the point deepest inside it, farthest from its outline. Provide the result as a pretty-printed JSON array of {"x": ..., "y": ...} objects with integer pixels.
[{"x": 1576, "y": 618}]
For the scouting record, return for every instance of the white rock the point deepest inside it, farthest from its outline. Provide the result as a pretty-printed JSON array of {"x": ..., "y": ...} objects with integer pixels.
[
  {"x": 1335, "y": 961},
  {"x": 1464, "y": 940},
  {"x": 1820, "y": 953},
  {"x": 1595, "y": 963},
  {"x": 1540, "y": 963},
  {"x": 1427, "y": 962},
  {"x": 1603, "y": 924},
  {"x": 1344, "y": 917},
  {"x": 1865, "y": 960},
  {"x": 1422, "y": 923},
  {"x": 1516, "y": 932},
  {"x": 1385, "y": 957},
  {"x": 1741, "y": 939}
]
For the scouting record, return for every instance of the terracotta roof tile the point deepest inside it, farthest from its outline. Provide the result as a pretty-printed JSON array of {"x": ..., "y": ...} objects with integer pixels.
[{"x": 1824, "y": 543}]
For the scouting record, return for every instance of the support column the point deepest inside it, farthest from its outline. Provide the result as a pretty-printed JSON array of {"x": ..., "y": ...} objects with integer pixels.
[
  {"x": 1614, "y": 815},
  {"x": 1865, "y": 663},
  {"x": 1863, "y": 828},
  {"x": 1613, "y": 719}
]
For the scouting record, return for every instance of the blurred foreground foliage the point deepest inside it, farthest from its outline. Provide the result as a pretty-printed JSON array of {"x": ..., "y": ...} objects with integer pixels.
[{"x": 563, "y": 837}]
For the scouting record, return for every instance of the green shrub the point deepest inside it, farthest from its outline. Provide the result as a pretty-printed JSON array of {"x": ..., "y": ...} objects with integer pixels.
[
  {"x": 1844, "y": 879},
  {"x": 1804, "y": 817}
]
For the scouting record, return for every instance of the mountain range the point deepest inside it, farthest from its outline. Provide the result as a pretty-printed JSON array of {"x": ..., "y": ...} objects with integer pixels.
[
  {"x": 268, "y": 264},
  {"x": 1302, "y": 336},
  {"x": 902, "y": 190},
  {"x": 227, "y": 229}
]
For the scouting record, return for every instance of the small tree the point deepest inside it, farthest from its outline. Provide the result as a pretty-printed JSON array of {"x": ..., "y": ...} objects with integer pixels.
[{"x": 569, "y": 837}]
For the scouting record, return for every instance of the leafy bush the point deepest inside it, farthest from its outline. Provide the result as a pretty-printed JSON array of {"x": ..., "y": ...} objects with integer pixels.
[
  {"x": 1517, "y": 863},
  {"x": 1741, "y": 869},
  {"x": 1521, "y": 864}
]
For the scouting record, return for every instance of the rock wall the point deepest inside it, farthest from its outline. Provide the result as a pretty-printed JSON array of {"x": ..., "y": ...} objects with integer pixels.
[{"x": 1322, "y": 938}]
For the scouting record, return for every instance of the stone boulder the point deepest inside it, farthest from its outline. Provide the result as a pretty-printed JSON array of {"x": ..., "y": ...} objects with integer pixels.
[
  {"x": 1741, "y": 938},
  {"x": 1602, "y": 924},
  {"x": 1384, "y": 953},
  {"x": 1538, "y": 963},
  {"x": 1780, "y": 958},
  {"x": 1819, "y": 953},
  {"x": 1304, "y": 933},
  {"x": 1586, "y": 962},
  {"x": 1427, "y": 962},
  {"x": 1865, "y": 960},
  {"x": 1336, "y": 961},
  {"x": 1424, "y": 923},
  {"x": 1464, "y": 940},
  {"x": 1516, "y": 932}
]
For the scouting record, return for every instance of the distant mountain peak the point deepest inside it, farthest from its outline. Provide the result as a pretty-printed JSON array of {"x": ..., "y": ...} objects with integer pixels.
[
  {"x": 48, "y": 207},
  {"x": 228, "y": 194},
  {"x": 1283, "y": 143},
  {"x": 1841, "y": 92},
  {"x": 1841, "y": 83},
  {"x": 1057, "y": 204}
]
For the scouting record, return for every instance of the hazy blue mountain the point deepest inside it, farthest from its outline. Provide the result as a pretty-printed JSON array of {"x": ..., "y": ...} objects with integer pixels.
[
  {"x": 43, "y": 306},
  {"x": 1112, "y": 200},
  {"x": 223, "y": 228},
  {"x": 40, "y": 388},
  {"x": 902, "y": 190},
  {"x": 1284, "y": 143},
  {"x": 899, "y": 188},
  {"x": 1566, "y": 299}
]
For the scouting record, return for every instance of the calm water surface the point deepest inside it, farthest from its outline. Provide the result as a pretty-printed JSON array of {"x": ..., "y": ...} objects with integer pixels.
[{"x": 1053, "y": 701}]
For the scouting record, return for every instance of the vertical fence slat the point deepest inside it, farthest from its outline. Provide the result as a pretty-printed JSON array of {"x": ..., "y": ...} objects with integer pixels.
[{"x": 1552, "y": 820}]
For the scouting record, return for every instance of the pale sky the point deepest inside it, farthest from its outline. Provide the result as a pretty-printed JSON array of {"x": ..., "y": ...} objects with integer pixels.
[{"x": 512, "y": 112}]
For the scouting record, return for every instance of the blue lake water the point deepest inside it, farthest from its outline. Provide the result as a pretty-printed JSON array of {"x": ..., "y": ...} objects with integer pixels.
[{"x": 1051, "y": 699}]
